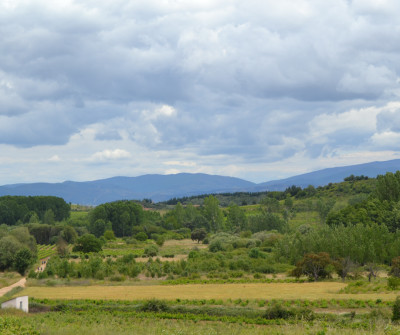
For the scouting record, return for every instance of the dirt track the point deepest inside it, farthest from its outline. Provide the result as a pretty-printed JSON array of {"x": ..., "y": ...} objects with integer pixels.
[{"x": 4, "y": 290}]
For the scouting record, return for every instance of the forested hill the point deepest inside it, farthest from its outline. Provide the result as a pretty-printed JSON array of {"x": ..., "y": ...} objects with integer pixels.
[{"x": 165, "y": 187}]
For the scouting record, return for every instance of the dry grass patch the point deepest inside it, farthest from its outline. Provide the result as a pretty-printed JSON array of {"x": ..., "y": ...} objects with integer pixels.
[
  {"x": 286, "y": 291},
  {"x": 310, "y": 291}
]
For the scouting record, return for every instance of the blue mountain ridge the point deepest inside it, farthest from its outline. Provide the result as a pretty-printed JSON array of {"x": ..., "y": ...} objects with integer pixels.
[{"x": 163, "y": 187}]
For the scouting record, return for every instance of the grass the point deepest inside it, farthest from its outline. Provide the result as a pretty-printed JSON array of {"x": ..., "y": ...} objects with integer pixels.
[
  {"x": 285, "y": 291},
  {"x": 8, "y": 278},
  {"x": 312, "y": 291},
  {"x": 67, "y": 323}
]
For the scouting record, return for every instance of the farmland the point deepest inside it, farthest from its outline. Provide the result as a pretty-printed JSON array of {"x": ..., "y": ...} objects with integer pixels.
[{"x": 293, "y": 263}]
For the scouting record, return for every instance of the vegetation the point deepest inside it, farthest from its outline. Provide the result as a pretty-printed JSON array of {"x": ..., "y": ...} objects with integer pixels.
[{"x": 237, "y": 259}]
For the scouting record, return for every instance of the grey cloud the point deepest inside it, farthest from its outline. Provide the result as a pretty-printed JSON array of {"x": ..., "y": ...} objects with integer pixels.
[
  {"x": 108, "y": 136},
  {"x": 245, "y": 78},
  {"x": 389, "y": 121}
]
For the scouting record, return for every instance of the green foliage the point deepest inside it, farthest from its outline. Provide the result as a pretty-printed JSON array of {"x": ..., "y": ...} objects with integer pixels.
[
  {"x": 388, "y": 187},
  {"x": 396, "y": 310},
  {"x": 142, "y": 236},
  {"x": 23, "y": 259},
  {"x": 20, "y": 208},
  {"x": 123, "y": 215},
  {"x": 151, "y": 251},
  {"x": 315, "y": 266},
  {"x": 154, "y": 305},
  {"x": 88, "y": 243},
  {"x": 198, "y": 235},
  {"x": 213, "y": 213},
  {"x": 393, "y": 283},
  {"x": 363, "y": 243},
  {"x": 109, "y": 235}
]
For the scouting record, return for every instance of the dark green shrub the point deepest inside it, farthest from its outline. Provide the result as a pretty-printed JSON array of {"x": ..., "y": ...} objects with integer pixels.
[
  {"x": 151, "y": 251},
  {"x": 396, "y": 310},
  {"x": 393, "y": 283},
  {"x": 277, "y": 311},
  {"x": 154, "y": 305},
  {"x": 142, "y": 236}
]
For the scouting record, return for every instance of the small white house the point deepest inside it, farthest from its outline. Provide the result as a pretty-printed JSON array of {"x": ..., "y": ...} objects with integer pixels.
[{"x": 21, "y": 303}]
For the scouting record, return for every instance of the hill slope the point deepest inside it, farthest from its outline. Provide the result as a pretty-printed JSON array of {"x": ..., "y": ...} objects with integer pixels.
[
  {"x": 155, "y": 187},
  {"x": 332, "y": 175},
  {"x": 164, "y": 187}
]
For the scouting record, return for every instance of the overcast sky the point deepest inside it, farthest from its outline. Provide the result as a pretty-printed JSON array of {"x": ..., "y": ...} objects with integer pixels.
[{"x": 255, "y": 89}]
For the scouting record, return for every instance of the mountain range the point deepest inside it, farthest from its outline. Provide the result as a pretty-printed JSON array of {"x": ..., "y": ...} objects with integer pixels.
[{"x": 163, "y": 187}]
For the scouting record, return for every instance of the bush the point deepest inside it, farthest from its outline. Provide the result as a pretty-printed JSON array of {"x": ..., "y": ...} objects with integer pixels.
[
  {"x": 109, "y": 235},
  {"x": 396, "y": 310},
  {"x": 393, "y": 283},
  {"x": 142, "y": 236},
  {"x": 160, "y": 241},
  {"x": 154, "y": 305},
  {"x": 278, "y": 312},
  {"x": 151, "y": 251}
]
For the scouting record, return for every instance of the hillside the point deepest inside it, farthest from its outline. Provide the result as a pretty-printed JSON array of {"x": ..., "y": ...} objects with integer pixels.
[{"x": 164, "y": 187}]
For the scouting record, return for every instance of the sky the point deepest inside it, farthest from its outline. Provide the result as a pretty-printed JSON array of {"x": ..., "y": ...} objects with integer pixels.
[{"x": 256, "y": 89}]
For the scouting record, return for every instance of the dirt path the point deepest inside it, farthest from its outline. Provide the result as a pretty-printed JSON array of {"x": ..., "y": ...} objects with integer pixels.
[
  {"x": 43, "y": 263},
  {"x": 6, "y": 289}
]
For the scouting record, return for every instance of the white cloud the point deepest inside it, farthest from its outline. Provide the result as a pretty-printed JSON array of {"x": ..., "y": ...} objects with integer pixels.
[
  {"x": 54, "y": 158},
  {"x": 116, "y": 154}
]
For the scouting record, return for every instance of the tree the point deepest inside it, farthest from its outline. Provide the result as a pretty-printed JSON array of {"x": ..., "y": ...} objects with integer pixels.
[
  {"x": 314, "y": 266},
  {"x": 324, "y": 207},
  {"x": 98, "y": 227},
  {"x": 69, "y": 234},
  {"x": 198, "y": 235},
  {"x": 388, "y": 187},
  {"x": 213, "y": 213},
  {"x": 23, "y": 259},
  {"x": 343, "y": 266},
  {"x": 88, "y": 243},
  {"x": 236, "y": 219},
  {"x": 62, "y": 247},
  {"x": 49, "y": 217},
  {"x": 372, "y": 268},
  {"x": 395, "y": 270},
  {"x": 9, "y": 246}
]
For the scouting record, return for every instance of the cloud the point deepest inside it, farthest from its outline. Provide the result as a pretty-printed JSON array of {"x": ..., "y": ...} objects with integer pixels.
[
  {"x": 105, "y": 155},
  {"x": 217, "y": 83}
]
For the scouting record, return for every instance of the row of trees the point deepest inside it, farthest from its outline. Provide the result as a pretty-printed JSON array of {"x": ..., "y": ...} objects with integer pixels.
[{"x": 19, "y": 209}]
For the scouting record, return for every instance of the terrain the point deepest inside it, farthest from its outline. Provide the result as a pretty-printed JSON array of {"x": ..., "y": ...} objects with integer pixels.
[
  {"x": 313, "y": 260},
  {"x": 164, "y": 187}
]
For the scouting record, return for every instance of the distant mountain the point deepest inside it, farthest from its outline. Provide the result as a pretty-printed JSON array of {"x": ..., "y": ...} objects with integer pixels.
[
  {"x": 155, "y": 187},
  {"x": 332, "y": 175},
  {"x": 164, "y": 187}
]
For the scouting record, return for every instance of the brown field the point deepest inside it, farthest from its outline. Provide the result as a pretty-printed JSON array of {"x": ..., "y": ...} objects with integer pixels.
[{"x": 305, "y": 291}]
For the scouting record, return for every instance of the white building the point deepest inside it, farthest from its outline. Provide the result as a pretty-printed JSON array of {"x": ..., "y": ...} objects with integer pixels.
[{"x": 21, "y": 303}]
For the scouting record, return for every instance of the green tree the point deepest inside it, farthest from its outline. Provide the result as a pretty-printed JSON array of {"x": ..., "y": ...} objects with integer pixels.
[
  {"x": 388, "y": 187},
  {"x": 198, "y": 235},
  {"x": 69, "y": 234},
  {"x": 88, "y": 243},
  {"x": 49, "y": 217},
  {"x": 314, "y": 266},
  {"x": 98, "y": 227},
  {"x": 236, "y": 218},
  {"x": 23, "y": 259},
  {"x": 9, "y": 246},
  {"x": 213, "y": 213}
]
